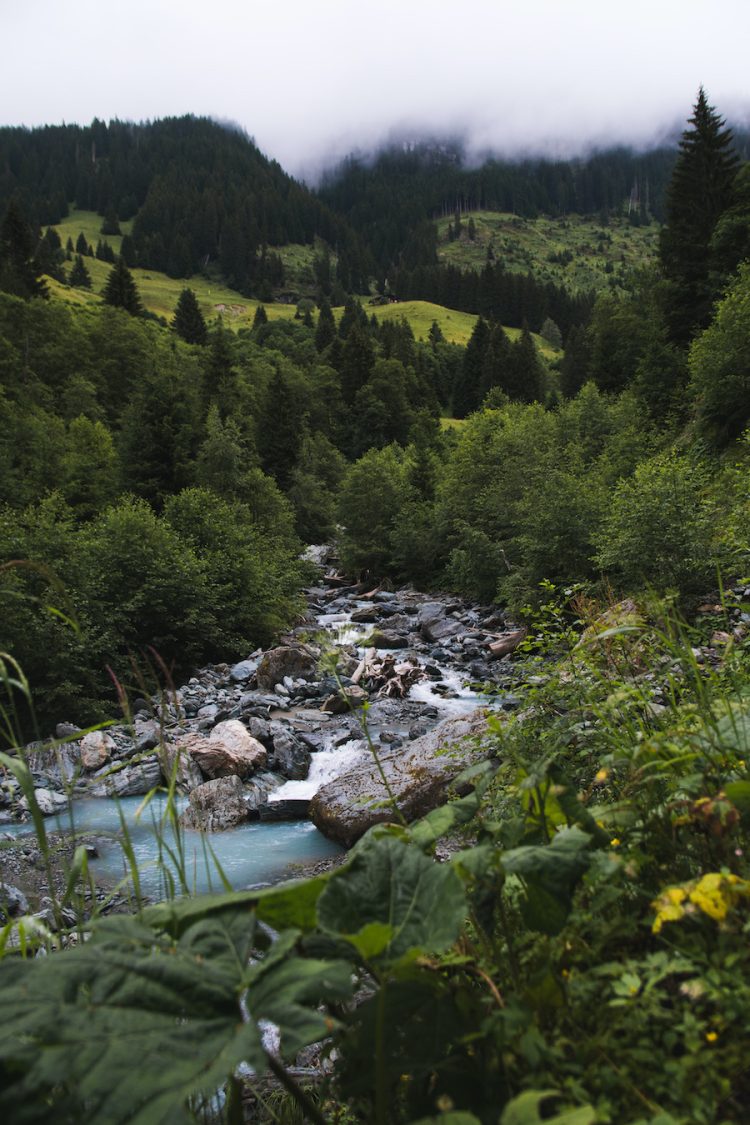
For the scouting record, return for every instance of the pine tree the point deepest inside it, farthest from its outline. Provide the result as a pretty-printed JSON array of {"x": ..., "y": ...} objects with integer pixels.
[
  {"x": 80, "y": 278},
  {"x": 121, "y": 290},
  {"x": 188, "y": 319},
  {"x": 19, "y": 271},
  {"x": 82, "y": 246},
  {"x": 325, "y": 330},
  {"x": 699, "y": 192},
  {"x": 467, "y": 394},
  {"x": 261, "y": 316}
]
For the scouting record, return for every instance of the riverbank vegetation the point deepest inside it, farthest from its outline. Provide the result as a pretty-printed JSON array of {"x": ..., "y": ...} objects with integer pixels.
[{"x": 580, "y": 954}]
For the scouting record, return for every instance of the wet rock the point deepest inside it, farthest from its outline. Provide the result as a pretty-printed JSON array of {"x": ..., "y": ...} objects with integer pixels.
[
  {"x": 284, "y": 810},
  {"x": 230, "y": 750},
  {"x": 290, "y": 757},
  {"x": 297, "y": 661},
  {"x": 257, "y": 790},
  {"x": 418, "y": 774},
  {"x": 386, "y": 639},
  {"x": 343, "y": 700},
  {"x": 96, "y": 749},
  {"x": 216, "y": 805},
  {"x": 433, "y": 623},
  {"x": 366, "y": 616}
]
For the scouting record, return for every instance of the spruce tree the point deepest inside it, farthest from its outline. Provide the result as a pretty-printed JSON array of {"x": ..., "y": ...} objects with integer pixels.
[
  {"x": 699, "y": 192},
  {"x": 121, "y": 290},
  {"x": 19, "y": 271},
  {"x": 325, "y": 330},
  {"x": 467, "y": 394},
  {"x": 261, "y": 316},
  {"x": 188, "y": 319},
  {"x": 80, "y": 278},
  {"x": 82, "y": 246}
]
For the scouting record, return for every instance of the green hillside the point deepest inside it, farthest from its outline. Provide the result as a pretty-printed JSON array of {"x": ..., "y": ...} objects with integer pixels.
[
  {"x": 575, "y": 252},
  {"x": 160, "y": 293}
]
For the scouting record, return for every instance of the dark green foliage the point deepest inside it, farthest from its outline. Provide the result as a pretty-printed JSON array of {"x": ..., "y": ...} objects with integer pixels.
[
  {"x": 357, "y": 360},
  {"x": 660, "y": 527},
  {"x": 467, "y": 394},
  {"x": 82, "y": 246},
  {"x": 700, "y": 190},
  {"x": 121, "y": 291},
  {"x": 188, "y": 321},
  {"x": 80, "y": 278},
  {"x": 280, "y": 430},
  {"x": 19, "y": 272},
  {"x": 110, "y": 223},
  {"x": 261, "y": 316},
  {"x": 104, "y": 252},
  {"x": 325, "y": 330},
  {"x": 127, "y": 251},
  {"x": 720, "y": 366}
]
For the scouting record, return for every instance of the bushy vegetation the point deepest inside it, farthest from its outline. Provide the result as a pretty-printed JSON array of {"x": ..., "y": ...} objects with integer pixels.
[{"x": 581, "y": 957}]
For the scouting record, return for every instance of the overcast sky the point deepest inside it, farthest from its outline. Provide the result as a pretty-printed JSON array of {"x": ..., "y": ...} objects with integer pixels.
[{"x": 314, "y": 79}]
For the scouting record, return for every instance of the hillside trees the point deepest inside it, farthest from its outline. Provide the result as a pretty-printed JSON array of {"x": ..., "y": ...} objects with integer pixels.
[
  {"x": 700, "y": 191},
  {"x": 20, "y": 274},
  {"x": 719, "y": 366}
]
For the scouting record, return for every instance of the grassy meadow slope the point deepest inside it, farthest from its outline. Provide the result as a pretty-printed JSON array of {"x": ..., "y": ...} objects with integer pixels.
[
  {"x": 160, "y": 293},
  {"x": 575, "y": 252}
]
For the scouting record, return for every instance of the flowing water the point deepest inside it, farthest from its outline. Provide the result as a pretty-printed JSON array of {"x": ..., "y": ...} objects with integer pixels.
[{"x": 253, "y": 853}]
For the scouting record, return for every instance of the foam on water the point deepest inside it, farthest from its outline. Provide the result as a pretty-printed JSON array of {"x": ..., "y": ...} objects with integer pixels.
[{"x": 324, "y": 767}]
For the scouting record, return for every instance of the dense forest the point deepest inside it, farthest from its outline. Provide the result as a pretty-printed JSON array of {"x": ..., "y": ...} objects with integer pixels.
[{"x": 157, "y": 485}]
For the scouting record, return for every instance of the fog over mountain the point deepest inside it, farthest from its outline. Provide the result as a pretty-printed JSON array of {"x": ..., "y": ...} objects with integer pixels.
[{"x": 312, "y": 82}]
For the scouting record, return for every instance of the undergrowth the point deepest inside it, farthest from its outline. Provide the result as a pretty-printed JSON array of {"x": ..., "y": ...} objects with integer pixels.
[{"x": 581, "y": 958}]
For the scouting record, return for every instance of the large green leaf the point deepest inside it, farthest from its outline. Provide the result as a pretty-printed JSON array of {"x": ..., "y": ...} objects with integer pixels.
[
  {"x": 132, "y": 1025},
  {"x": 288, "y": 990},
  {"x": 288, "y": 905},
  {"x": 396, "y": 885},
  {"x": 550, "y": 874},
  {"x": 526, "y": 1110}
]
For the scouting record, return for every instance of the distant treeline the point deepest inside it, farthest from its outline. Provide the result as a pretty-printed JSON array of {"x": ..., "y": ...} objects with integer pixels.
[
  {"x": 201, "y": 195},
  {"x": 385, "y": 200}
]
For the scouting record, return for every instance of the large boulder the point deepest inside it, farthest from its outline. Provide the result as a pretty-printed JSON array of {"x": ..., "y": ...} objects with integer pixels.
[
  {"x": 178, "y": 762},
  {"x": 229, "y": 750},
  {"x": 216, "y": 805},
  {"x": 297, "y": 661},
  {"x": 433, "y": 623},
  {"x": 418, "y": 775},
  {"x": 96, "y": 749}
]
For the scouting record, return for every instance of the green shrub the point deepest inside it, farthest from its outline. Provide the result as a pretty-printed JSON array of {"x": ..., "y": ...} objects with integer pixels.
[{"x": 660, "y": 527}]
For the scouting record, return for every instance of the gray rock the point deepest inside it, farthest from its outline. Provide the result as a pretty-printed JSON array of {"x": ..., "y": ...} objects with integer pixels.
[
  {"x": 48, "y": 800},
  {"x": 66, "y": 730},
  {"x": 256, "y": 790},
  {"x": 433, "y": 623},
  {"x": 343, "y": 700},
  {"x": 178, "y": 762},
  {"x": 387, "y": 639},
  {"x": 133, "y": 780},
  {"x": 419, "y": 776},
  {"x": 243, "y": 671},
  {"x": 216, "y": 805},
  {"x": 291, "y": 758},
  {"x": 284, "y": 810},
  {"x": 13, "y": 902},
  {"x": 297, "y": 661}
]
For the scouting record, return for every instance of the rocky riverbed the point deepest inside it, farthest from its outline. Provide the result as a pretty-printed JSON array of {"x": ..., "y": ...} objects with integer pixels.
[{"x": 285, "y": 735}]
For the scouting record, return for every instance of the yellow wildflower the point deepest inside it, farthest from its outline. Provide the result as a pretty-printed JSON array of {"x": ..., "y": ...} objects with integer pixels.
[
  {"x": 711, "y": 1036},
  {"x": 602, "y": 775},
  {"x": 614, "y": 842},
  {"x": 668, "y": 907}
]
